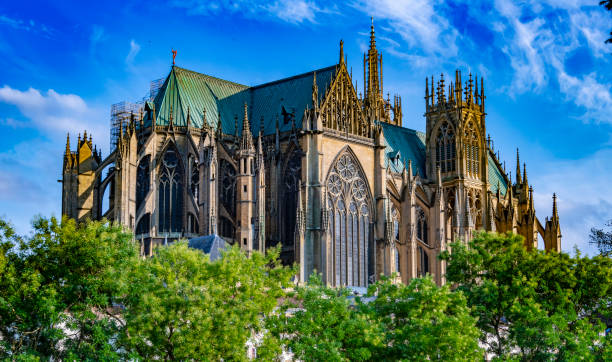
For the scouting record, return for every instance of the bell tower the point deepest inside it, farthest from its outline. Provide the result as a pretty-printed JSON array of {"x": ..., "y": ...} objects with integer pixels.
[{"x": 455, "y": 142}]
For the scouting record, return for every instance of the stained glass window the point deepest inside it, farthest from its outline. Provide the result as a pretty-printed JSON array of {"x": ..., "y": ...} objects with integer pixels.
[
  {"x": 346, "y": 185},
  {"x": 445, "y": 149},
  {"x": 170, "y": 193},
  {"x": 142, "y": 180}
]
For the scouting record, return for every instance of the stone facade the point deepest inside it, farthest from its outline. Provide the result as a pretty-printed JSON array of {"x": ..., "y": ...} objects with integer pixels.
[{"x": 328, "y": 174}]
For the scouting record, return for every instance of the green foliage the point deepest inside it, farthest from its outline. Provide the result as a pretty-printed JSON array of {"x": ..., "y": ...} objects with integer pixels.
[
  {"x": 422, "y": 321},
  {"x": 319, "y": 324},
  {"x": 57, "y": 286},
  {"x": 180, "y": 305},
  {"x": 533, "y": 305}
]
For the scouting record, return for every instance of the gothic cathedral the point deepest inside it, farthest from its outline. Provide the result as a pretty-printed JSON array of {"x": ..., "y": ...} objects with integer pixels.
[{"x": 309, "y": 164}]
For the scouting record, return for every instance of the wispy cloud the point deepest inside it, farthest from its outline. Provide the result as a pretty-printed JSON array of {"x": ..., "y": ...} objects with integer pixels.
[
  {"x": 291, "y": 11},
  {"x": 134, "y": 50},
  {"x": 55, "y": 112},
  {"x": 98, "y": 34},
  {"x": 419, "y": 25},
  {"x": 27, "y": 25}
]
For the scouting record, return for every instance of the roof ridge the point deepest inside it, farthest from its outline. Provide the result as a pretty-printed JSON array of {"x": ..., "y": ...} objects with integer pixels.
[
  {"x": 210, "y": 76},
  {"x": 294, "y": 77}
]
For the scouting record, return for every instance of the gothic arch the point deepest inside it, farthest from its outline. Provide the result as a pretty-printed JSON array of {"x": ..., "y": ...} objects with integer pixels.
[
  {"x": 349, "y": 206},
  {"x": 472, "y": 148},
  {"x": 290, "y": 179},
  {"x": 171, "y": 183},
  {"x": 445, "y": 147}
]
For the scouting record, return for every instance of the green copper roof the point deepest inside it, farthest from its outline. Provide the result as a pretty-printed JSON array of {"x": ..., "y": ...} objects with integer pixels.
[
  {"x": 496, "y": 177},
  {"x": 404, "y": 144},
  {"x": 187, "y": 92}
]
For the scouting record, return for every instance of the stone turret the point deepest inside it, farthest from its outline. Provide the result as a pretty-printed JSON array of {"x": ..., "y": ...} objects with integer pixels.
[{"x": 246, "y": 185}]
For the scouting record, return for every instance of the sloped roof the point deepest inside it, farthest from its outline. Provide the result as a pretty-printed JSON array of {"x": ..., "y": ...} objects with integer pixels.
[
  {"x": 188, "y": 92},
  {"x": 496, "y": 176},
  {"x": 212, "y": 245},
  {"x": 404, "y": 144}
]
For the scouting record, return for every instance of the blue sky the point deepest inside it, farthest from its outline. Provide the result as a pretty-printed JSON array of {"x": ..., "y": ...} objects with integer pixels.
[{"x": 546, "y": 69}]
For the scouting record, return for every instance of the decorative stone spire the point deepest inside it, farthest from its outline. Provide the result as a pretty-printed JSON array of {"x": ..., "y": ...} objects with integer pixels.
[
  {"x": 247, "y": 138},
  {"x": 341, "y": 61},
  {"x": 67, "y": 144},
  {"x": 555, "y": 215},
  {"x": 518, "y": 168}
]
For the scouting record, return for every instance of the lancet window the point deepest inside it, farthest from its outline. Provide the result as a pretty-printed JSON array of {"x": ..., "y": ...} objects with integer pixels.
[
  {"x": 142, "y": 180},
  {"x": 291, "y": 177},
  {"x": 472, "y": 151},
  {"x": 445, "y": 148},
  {"x": 395, "y": 215},
  {"x": 228, "y": 187},
  {"x": 194, "y": 177},
  {"x": 348, "y": 206},
  {"x": 170, "y": 192},
  {"x": 423, "y": 262},
  {"x": 421, "y": 225}
]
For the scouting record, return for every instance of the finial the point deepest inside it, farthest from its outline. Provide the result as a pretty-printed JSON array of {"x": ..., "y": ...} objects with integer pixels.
[
  {"x": 68, "y": 143},
  {"x": 204, "y": 121},
  {"x": 173, "y": 57},
  {"x": 341, "y": 61},
  {"x": 554, "y": 211},
  {"x": 372, "y": 37},
  {"x": 525, "y": 173}
]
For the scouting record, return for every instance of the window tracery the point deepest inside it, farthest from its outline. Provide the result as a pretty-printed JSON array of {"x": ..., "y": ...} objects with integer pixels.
[
  {"x": 472, "y": 151},
  {"x": 142, "y": 180},
  {"x": 291, "y": 178},
  {"x": 170, "y": 192},
  {"x": 423, "y": 262},
  {"x": 421, "y": 225},
  {"x": 228, "y": 187},
  {"x": 445, "y": 148},
  {"x": 194, "y": 177},
  {"x": 349, "y": 222}
]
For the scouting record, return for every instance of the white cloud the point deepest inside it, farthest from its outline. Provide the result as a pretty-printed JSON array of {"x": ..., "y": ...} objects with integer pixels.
[
  {"x": 417, "y": 22},
  {"x": 134, "y": 50},
  {"x": 55, "y": 112},
  {"x": 29, "y": 25}
]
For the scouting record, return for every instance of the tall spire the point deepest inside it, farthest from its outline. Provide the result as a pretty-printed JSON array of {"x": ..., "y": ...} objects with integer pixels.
[
  {"x": 67, "y": 143},
  {"x": 518, "y": 167},
  {"x": 525, "y": 173},
  {"x": 247, "y": 139},
  {"x": 555, "y": 215},
  {"x": 341, "y": 61},
  {"x": 372, "y": 37}
]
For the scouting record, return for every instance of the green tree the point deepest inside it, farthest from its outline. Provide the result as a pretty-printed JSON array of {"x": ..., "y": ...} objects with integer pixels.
[
  {"x": 320, "y": 323},
  {"x": 533, "y": 305},
  {"x": 602, "y": 239},
  {"x": 421, "y": 321},
  {"x": 57, "y": 289},
  {"x": 182, "y": 306}
]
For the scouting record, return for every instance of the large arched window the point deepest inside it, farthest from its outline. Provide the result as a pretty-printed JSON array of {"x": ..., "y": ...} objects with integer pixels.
[
  {"x": 421, "y": 225},
  {"x": 142, "y": 180},
  {"x": 291, "y": 177},
  {"x": 423, "y": 262},
  {"x": 472, "y": 151},
  {"x": 170, "y": 192},
  {"x": 445, "y": 148},
  {"x": 194, "y": 177},
  {"x": 349, "y": 206},
  {"x": 228, "y": 187}
]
